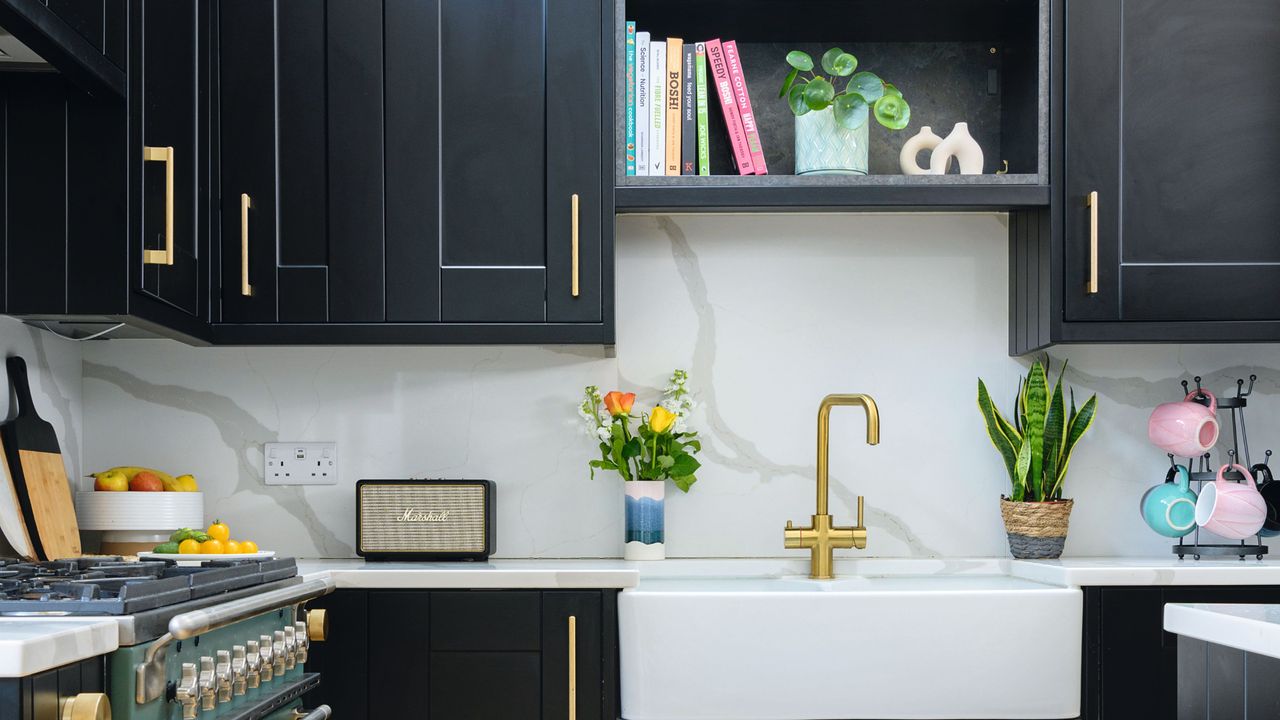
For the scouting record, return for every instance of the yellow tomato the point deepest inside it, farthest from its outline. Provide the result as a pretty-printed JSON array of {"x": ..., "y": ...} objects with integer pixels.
[
  {"x": 219, "y": 531},
  {"x": 212, "y": 546},
  {"x": 189, "y": 547},
  {"x": 232, "y": 548},
  {"x": 248, "y": 546}
]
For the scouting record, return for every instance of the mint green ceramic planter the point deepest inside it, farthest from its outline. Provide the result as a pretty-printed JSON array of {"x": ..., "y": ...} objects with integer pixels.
[{"x": 825, "y": 148}]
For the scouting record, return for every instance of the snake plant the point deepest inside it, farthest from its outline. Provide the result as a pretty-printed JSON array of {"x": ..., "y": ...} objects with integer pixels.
[{"x": 1036, "y": 447}]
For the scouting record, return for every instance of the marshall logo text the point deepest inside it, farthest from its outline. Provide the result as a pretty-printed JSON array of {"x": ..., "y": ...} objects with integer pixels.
[{"x": 415, "y": 515}]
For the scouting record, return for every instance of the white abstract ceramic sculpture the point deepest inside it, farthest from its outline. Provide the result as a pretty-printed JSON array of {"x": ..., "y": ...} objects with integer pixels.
[
  {"x": 923, "y": 140},
  {"x": 961, "y": 146}
]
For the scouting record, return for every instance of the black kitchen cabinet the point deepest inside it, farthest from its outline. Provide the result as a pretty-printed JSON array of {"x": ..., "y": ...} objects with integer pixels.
[
  {"x": 373, "y": 192},
  {"x": 89, "y": 227},
  {"x": 1130, "y": 661},
  {"x": 1162, "y": 227},
  {"x": 40, "y": 696},
  {"x": 458, "y": 654},
  {"x": 86, "y": 41},
  {"x": 1219, "y": 682}
]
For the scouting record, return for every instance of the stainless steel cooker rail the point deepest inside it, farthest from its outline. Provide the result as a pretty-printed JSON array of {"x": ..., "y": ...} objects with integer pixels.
[{"x": 150, "y": 674}]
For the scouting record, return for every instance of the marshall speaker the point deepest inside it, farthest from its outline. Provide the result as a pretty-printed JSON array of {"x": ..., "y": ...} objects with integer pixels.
[{"x": 424, "y": 519}]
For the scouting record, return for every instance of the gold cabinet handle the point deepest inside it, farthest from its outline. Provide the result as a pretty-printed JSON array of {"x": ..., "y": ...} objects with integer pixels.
[
  {"x": 1091, "y": 287},
  {"x": 573, "y": 651},
  {"x": 164, "y": 155},
  {"x": 245, "y": 203},
  {"x": 573, "y": 201}
]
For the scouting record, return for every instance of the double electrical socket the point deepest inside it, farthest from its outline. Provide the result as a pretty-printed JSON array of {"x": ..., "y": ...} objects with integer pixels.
[{"x": 300, "y": 463}]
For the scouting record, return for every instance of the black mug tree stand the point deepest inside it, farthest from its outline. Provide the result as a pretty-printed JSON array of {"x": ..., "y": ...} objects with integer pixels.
[{"x": 1206, "y": 473}]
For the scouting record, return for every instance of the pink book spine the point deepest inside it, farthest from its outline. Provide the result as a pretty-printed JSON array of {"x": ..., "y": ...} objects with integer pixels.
[
  {"x": 743, "y": 98},
  {"x": 732, "y": 119}
]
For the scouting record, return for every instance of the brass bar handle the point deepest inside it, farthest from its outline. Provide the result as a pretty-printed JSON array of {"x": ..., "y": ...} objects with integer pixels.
[
  {"x": 573, "y": 657},
  {"x": 1091, "y": 287},
  {"x": 574, "y": 202},
  {"x": 245, "y": 204},
  {"x": 164, "y": 155}
]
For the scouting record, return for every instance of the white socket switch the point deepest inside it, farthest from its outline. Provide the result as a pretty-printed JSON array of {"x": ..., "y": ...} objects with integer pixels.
[{"x": 300, "y": 463}]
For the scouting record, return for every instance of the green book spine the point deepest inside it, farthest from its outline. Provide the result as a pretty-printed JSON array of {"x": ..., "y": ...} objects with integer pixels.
[{"x": 704, "y": 145}]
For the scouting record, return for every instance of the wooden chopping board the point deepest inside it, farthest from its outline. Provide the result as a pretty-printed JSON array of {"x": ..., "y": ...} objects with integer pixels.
[
  {"x": 39, "y": 475},
  {"x": 12, "y": 524}
]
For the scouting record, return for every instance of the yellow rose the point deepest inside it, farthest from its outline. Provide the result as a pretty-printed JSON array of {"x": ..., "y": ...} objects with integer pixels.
[{"x": 661, "y": 419}]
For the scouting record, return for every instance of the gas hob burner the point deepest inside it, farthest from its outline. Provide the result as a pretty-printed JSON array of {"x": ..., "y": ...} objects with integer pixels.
[{"x": 114, "y": 586}]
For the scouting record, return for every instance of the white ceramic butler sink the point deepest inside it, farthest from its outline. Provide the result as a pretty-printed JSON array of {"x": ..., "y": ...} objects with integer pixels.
[{"x": 891, "y": 646}]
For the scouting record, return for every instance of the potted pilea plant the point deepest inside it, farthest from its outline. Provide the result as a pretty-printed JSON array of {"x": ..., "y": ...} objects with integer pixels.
[
  {"x": 832, "y": 108},
  {"x": 1036, "y": 449},
  {"x": 645, "y": 454}
]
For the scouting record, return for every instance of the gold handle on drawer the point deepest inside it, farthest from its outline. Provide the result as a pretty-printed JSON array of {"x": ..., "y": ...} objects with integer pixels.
[
  {"x": 164, "y": 155},
  {"x": 1091, "y": 287},
  {"x": 574, "y": 202},
  {"x": 573, "y": 648},
  {"x": 245, "y": 203}
]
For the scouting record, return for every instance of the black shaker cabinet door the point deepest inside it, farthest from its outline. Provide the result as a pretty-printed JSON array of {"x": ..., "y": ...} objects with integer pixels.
[
  {"x": 169, "y": 118},
  {"x": 1184, "y": 179},
  {"x": 572, "y": 655}
]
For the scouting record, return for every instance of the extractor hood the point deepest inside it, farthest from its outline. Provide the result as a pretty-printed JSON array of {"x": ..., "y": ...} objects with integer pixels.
[{"x": 16, "y": 56}]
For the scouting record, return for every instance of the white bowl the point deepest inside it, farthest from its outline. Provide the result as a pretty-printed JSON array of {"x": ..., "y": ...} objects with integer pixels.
[{"x": 125, "y": 510}]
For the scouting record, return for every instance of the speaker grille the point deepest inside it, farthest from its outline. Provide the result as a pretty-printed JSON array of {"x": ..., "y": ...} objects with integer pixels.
[{"x": 406, "y": 518}]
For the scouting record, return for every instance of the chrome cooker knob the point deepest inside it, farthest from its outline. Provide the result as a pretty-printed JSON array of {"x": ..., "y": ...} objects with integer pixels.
[
  {"x": 278, "y": 649},
  {"x": 239, "y": 669},
  {"x": 252, "y": 665},
  {"x": 222, "y": 675},
  {"x": 188, "y": 692},
  {"x": 290, "y": 647},
  {"x": 208, "y": 684},
  {"x": 268, "y": 654},
  {"x": 304, "y": 642}
]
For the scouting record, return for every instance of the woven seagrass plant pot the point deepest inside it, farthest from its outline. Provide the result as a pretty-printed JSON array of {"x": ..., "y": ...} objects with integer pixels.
[{"x": 1037, "y": 530}]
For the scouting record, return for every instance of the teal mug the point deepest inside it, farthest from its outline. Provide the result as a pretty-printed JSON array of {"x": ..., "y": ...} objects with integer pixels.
[{"x": 1170, "y": 507}]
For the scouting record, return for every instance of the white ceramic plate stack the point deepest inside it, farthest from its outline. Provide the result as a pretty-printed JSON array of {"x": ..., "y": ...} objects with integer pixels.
[{"x": 136, "y": 521}]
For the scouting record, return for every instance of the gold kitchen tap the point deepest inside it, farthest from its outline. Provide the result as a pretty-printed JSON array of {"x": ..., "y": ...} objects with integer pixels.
[{"x": 822, "y": 536}]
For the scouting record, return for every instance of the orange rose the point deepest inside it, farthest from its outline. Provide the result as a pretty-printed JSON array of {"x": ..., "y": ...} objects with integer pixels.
[{"x": 619, "y": 403}]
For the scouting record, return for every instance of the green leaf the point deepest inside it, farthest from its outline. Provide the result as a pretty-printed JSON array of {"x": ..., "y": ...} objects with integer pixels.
[
  {"x": 1004, "y": 444},
  {"x": 1054, "y": 423},
  {"x": 1022, "y": 467},
  {"x": 868, "y": 85},
  {"x": 890, "y": 89},
  {"x": 786, "y": 84},
  {"x": 850, "y": 111},
  {"x": 795, "y": 98},
  {"x": 684, "y": 482},
  {"x": 829, "y": 60},
  {"x": 684, "y": 465},
  {"x": 694, "y": 445},
  {"x": 893, "y": 112},
  {"x": 666, "y": 461},
  {"x": 818, "y": 94},
  {"x": 843, "y": 65},
  {"x": 1037, "y": 392},
  {"x": 632, "y": 449},
  {"x": 1080, "y": 424},
  {"x": 800, "y": 60}
]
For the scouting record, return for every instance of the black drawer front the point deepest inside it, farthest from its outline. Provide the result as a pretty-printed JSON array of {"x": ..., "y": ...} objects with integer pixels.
[{"x": 486, "y": 620}]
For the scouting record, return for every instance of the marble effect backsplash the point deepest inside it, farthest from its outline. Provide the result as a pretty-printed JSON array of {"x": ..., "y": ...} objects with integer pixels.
[{"x": 768, "y": 313}]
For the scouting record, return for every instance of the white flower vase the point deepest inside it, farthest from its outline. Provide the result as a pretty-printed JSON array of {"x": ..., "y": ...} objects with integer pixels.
[
  {"x": 823, "y": 147},
  {"x": 645, "y": 532}
]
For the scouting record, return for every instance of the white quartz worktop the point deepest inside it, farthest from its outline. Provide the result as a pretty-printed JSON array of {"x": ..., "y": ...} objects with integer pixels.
[
  {"x": 1081, "y": 572},
  {"x": 32, "y": 645},
  {"x": 1252, "y": 628},
  {"x": 496, "y": 574}
]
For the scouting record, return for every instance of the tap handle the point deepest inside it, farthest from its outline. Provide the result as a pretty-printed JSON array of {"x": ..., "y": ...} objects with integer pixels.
[{"x": 860, "y": 512}]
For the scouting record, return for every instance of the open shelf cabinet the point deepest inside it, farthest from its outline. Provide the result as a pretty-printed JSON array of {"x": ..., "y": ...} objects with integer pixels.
[{"x": 984, "y": 62}]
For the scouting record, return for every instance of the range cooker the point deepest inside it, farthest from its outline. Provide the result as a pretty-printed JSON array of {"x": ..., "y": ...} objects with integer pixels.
[{"x": 221, "y": 639}]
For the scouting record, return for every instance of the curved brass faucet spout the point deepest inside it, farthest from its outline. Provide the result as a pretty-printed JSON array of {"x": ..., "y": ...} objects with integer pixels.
[{"x": 821, "y": 537}]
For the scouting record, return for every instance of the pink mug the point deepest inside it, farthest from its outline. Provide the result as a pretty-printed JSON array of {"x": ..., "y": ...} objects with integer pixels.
[
  {"x": 1229, "y": 509},
  {"x": 1186, "y": 429}
]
